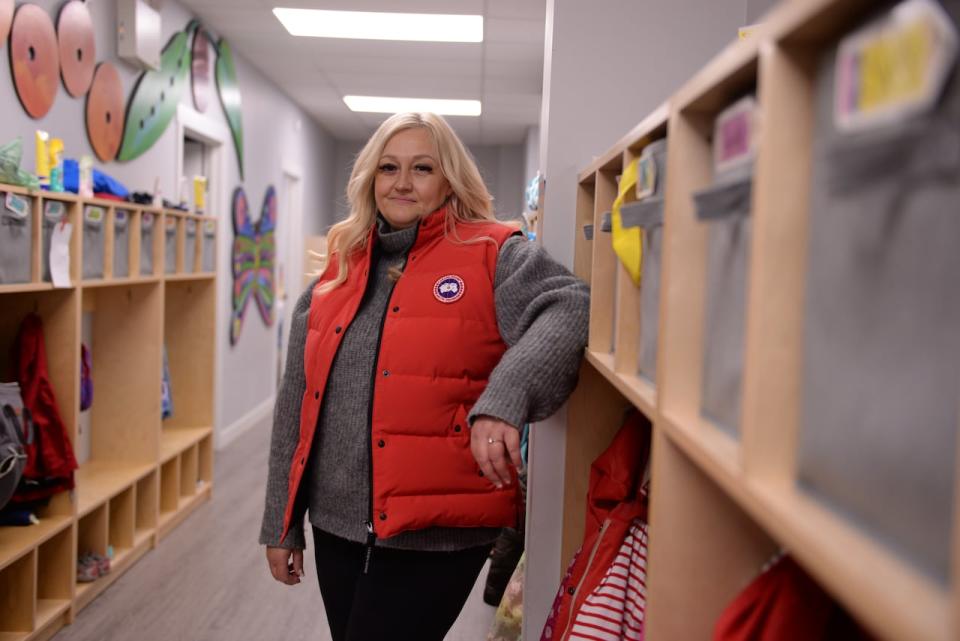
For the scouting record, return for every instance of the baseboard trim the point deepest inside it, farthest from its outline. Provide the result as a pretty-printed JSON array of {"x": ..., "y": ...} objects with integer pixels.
[{"x": 232, "y": 432}]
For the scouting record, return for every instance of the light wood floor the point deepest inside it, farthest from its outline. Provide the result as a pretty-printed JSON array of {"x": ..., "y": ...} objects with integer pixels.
[{"x": 208, "y": 580}]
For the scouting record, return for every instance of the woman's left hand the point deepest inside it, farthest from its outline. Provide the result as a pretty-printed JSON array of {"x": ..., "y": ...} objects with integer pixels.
[{"x": 495, "y": 445}]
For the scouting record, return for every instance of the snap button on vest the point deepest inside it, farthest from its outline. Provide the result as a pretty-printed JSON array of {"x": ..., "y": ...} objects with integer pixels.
[
  {"x": 386, "y": 372},
  {"x": 338, "y": 329},
  {"x": 383, "y": 516},
  {"x": 381, "y": 443},
  {"x": 316, "y": 395},
  {"x": 456, "y": 428}
]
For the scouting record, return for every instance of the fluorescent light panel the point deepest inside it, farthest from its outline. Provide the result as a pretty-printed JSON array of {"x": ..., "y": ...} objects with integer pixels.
[
  {"x": 383, "y": 105},
  {"x": 374, "y": 25}
]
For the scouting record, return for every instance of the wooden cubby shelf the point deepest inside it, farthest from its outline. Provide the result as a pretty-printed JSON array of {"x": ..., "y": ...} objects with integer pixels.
[
  {"x": 728, "y": 492},
  {"x": 124, "y": 305}
]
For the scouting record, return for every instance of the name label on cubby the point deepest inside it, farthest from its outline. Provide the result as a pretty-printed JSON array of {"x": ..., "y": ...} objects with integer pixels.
[
  {"x": 54, "y": 211},
  {"x": 120, "y": 217},
  {"x": 210, "y": 228},
  {"x": 191, "y": 227},
  {"x": 17, "y": 206},
  {"x": 146, "y": 223},
  {"x": 93, "y": 215},
  {"x": 171, "y": 225}
]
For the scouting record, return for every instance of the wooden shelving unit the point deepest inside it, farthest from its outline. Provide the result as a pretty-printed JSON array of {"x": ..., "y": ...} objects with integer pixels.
[
  {"x": 126, "y": 499},
  {"x": 723, "y": 502}
]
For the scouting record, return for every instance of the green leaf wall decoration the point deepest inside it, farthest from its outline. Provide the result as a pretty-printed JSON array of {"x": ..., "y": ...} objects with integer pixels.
[
  {"x": 229, "y": 92},
  {"x": 153, "y": 102}
]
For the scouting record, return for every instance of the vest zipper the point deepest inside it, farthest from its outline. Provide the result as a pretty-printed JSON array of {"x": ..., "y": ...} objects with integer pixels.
[
  {"x": 586, "y": 571},
  {"x": 371, "y": 534}
]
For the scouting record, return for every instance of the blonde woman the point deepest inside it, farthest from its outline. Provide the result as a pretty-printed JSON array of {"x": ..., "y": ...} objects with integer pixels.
[{"x": 433, "y": 334}]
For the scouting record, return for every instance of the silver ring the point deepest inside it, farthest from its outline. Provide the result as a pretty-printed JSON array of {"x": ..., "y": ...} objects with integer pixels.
[{"x": 491, "y": 440}]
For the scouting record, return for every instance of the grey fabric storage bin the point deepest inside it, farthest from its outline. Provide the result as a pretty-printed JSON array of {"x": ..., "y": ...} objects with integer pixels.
[
  {"x": 881, "y": 376},
  {"x": 94, "y": 217},
  {"x": 725, "y": 207},
  {"x": 53, "y": 213},
  {"x": 648, "y": 214},
  {"x": 121, "y": 243},
  {"x": 208, "y": 260},
  {"x": 16, "y": 238},
  {"x": 170, "y": 245},
  {"x": 190, "y": 245},
  {"x": 147, "y": 231}
]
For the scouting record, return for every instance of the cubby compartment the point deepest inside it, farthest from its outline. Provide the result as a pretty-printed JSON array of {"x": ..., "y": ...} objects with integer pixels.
[
  {"x": 192, "y": 236},
  {"x": 169, "y": 488},
  {"x": 55, "y": 577},
  {"x": 121, "y": 242},
  {"x": 126, "y": 319},
  {"x": 147, "y": 507},
  {"x": 93, "y": 230},
  {"x": 173, "y": 242},
  {"x": 152, "y": 243},
  {"x": 92, "y": 539},
  {"x": 604, "y": 267},
  {"x": 122, "y": 525},
  {"x": 208, "y": 245},
  {"x": 190, "y": 336},
  {"x": 57, "y": 311},
  {"x": 19, "y": 232},
  {"x": 17, "y": 604},
  {"x": 188, "y": 472},
  {"x": 205, "y": 462},
  {"x": 55, "y": 210},
  {"x": 706, "y": 249}
]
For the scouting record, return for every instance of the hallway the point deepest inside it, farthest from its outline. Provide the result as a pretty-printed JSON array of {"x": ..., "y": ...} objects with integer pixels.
[{"x": 209, "y": 581}]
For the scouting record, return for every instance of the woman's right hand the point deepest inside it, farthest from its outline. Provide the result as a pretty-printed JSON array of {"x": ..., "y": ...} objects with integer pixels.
[{"x": 286, "y": 566}]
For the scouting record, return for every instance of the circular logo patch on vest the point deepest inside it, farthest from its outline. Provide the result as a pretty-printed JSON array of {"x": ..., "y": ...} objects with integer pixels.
[{"x": 448, "y": 289}]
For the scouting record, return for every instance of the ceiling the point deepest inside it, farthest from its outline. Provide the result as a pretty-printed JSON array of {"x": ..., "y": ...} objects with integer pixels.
[{"x": 505, "y": 71}]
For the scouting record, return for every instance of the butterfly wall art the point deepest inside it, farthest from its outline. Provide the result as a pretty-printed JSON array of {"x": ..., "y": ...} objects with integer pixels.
[{"x": 254, "y": 253}]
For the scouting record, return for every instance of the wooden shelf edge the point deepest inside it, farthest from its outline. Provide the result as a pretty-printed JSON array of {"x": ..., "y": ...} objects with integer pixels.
[
  {"x": 179, "y": 278},
  {"x": 820, "y": 540},
  {"x": 119, "y": 282},
  {"x": 93, "y": 474},
  {"x": 48, "y": 610},
  {"x": 22, "y": 540},
  {"x": 29, "y": 288},
  {"x": 172, "y": 446},
  {"x": 634, "y": 388}
]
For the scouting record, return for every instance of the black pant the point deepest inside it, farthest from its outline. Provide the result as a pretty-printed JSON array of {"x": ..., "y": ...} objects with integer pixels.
[{"x": 405, "y": 595}]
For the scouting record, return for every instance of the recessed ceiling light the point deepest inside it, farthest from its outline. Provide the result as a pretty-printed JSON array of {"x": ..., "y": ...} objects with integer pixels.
[
  {"x": 374, "y": 25},
  {"x": 382, "y": 105}
]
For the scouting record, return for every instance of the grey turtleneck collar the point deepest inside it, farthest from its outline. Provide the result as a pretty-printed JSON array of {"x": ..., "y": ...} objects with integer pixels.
[{"x": 395, "y": 241}]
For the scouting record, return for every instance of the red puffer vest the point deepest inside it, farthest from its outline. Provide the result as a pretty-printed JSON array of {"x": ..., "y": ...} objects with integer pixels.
[{"x": 438, "y": 345}]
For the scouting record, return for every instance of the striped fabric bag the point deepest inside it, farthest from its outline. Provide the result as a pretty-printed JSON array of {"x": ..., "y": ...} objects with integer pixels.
[{"x": 614, "y": 610}]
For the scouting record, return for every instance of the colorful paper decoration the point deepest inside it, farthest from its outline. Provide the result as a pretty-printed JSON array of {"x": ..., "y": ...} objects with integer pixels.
[
  {"x": 229, "y": 92},
  {"x": 34, "y": 59},
  {"x": 6, "y": 18},
  {"x": 254, "y": 249},
  {"x": 200, "y": 69},
  {"x": 78, "y": 52},
  {"x": 153, "y": 102},
  {"x": 104, "y": 112}
]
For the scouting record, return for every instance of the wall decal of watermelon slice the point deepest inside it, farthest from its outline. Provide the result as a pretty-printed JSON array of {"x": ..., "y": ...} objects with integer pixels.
[
  {"x": 153, "y": 102},
  {"x": 229, "y": 92}
]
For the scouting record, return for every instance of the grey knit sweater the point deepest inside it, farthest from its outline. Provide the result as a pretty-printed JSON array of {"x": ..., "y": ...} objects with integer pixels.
[{"x": 542, "y": 314}]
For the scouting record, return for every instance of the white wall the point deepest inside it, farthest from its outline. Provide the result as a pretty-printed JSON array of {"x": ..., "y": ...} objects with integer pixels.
[
  {"x": 273, "y": 140},
  {"x": 607, "y": 65},
  {"x": 500, "y": 165},
  {"x": 531, "y": 155}
]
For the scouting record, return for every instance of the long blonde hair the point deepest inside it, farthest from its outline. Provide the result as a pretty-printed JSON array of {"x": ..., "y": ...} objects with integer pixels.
[{"x": 469, "y": 202}]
